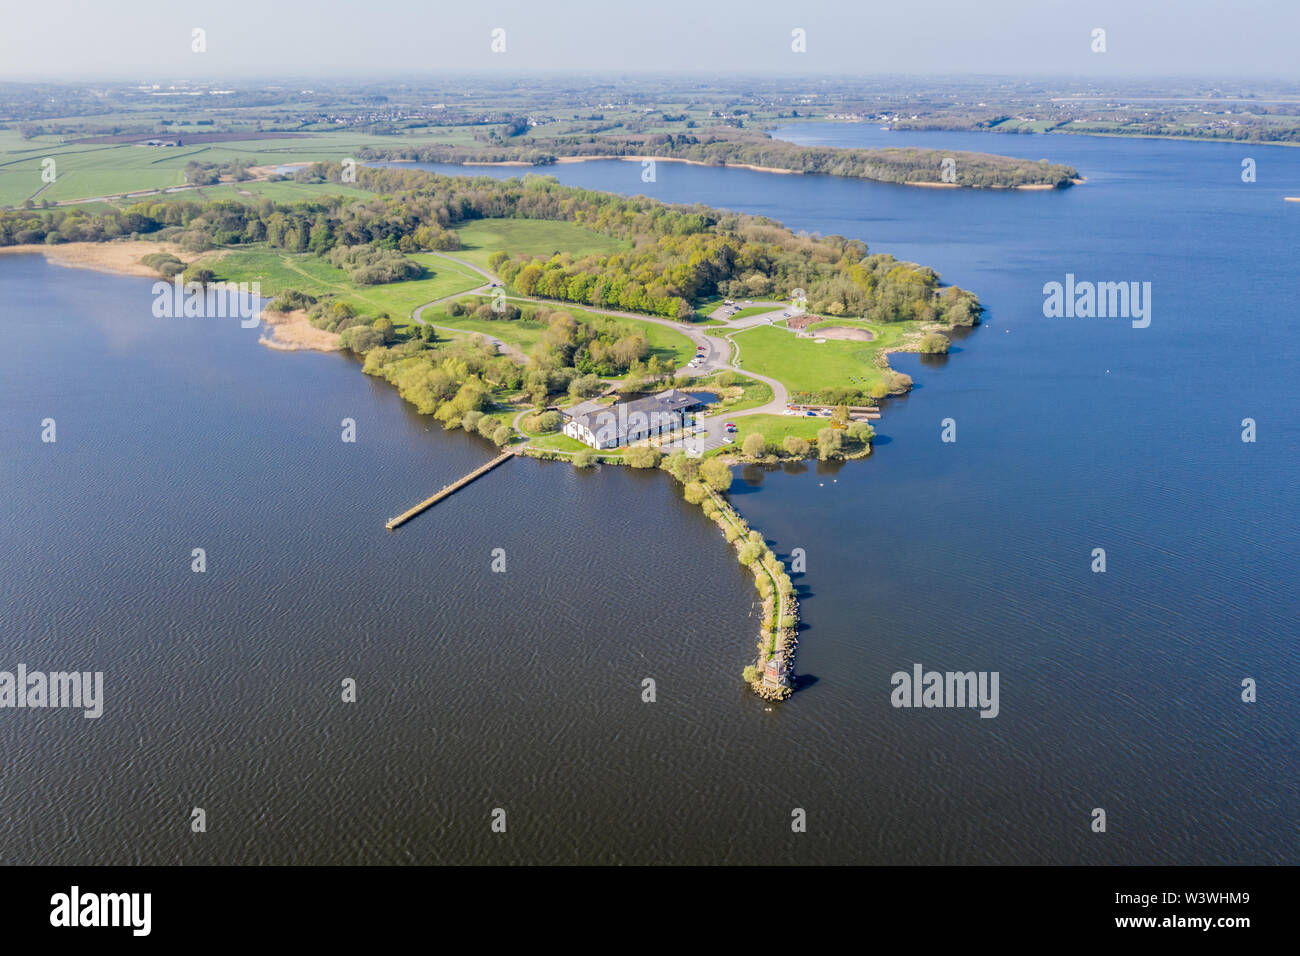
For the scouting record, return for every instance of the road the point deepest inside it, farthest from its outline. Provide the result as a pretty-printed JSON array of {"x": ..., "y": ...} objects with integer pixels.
[{"x": 718, "y": 355}]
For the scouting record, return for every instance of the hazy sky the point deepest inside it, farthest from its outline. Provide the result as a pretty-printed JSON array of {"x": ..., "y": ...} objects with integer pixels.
[{"x": 151, "y": 39}]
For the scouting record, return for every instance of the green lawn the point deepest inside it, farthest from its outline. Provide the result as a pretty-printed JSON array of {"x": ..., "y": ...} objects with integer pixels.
[
  {"x": 535, "y": 237},
  {"x": 520, "y": 333},
  {"x": 754, "y": 310},
  {"x": 559, "y": 442},
  {"x": 776, "y": 427},
  {"x": 277, "y": 271},
  {"x": 665, "y": 343},
  {"x": 803, "y": 365}
]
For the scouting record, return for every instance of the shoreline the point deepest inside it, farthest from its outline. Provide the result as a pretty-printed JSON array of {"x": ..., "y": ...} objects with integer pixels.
[
  {"x": 117, "y": 257},
  {"x": 293, "y": 332}
]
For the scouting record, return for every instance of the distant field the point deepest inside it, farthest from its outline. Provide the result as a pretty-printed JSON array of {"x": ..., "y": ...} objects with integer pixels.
[
  {"x": 285, "y": 192},
  {"x": 534, "y": 237},
  {"x": 92, "y": 170}
]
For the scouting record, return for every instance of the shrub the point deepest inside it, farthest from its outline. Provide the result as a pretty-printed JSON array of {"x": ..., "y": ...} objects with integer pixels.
[
  {"x": 861, "y": 432},
  {"x": 502, "y": 436},
  {"x": 695, "y": 493},
  {"x": 642, "y": 456},
  {"x": 796, "y": 446},
  {"x": 899, "y": 383},
  {"x": 361, "y": 339},
  {"x": 584, "y": 459},
  {"x": 751, "y": 674}
]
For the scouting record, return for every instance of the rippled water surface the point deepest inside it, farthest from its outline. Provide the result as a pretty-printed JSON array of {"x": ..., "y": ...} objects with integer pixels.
[{"x": 522, "y": 690}]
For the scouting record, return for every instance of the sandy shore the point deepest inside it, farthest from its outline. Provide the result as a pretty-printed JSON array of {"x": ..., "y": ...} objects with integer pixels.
[
  {"x": 293, "y": 331},
  {"x": 119, "y": 258},
  {"x": 929, "y": 185}
]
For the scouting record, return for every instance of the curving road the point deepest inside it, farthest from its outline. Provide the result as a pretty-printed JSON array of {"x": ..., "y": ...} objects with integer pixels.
[{"x": 717, "y": 357}]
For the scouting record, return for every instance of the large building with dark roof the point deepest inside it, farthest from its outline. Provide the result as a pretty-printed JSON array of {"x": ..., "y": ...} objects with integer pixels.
[{"x": 609, "y": 426}]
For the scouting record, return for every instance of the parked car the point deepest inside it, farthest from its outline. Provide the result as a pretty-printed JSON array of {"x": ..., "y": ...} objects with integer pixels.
[
  {"x": 728, "y": 440},
  {"x": 729, "y": 426}
]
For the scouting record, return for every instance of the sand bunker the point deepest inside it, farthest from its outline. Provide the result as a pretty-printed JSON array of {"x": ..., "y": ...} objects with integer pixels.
[{"x": 843, "y": 332}]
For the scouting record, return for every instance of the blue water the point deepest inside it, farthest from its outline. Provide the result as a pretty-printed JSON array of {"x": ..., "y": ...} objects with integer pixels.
[{"x": 1118, "y": 690}]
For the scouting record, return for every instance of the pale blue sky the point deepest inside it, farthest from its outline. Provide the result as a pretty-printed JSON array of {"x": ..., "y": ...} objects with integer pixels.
[{"x": 150, "y": 39}]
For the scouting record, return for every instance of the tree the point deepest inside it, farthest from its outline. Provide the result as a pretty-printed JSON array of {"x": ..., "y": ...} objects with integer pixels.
[
  {"x": 749, "y": 553},
  {"x": 830, "y": 443},
  {"x": 501, "y": 437},
  {"x": 755, "y": 445},
  {"x": 796, "y": 447},
  {"x": 695, "y": 492},
  {"x": 683, "y": 467},
  {"x": 716, "y": 473},
  {"x": 934, "y": 343},
  {"x": 585, "y": 386},
  {"x": 585, "y": 458}
]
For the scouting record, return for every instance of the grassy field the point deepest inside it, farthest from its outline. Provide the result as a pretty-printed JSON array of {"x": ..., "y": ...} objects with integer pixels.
[
  {"x": 776, "y": 427},
  {"x": 91, "y": 170},
  {"x": 283, "y": 192},
  {"x": 752, "y": 310},
  {"x": 665, "y": 343},
  {"x": 278, "y": 271},
  {"x": 803, "y": 365},
  {"x": 534, "y": 237},
  {"x": 520, "y": 333}
]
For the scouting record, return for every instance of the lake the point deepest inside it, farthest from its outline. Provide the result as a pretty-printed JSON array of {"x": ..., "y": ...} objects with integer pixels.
[{"x": 522, "y": 690}]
